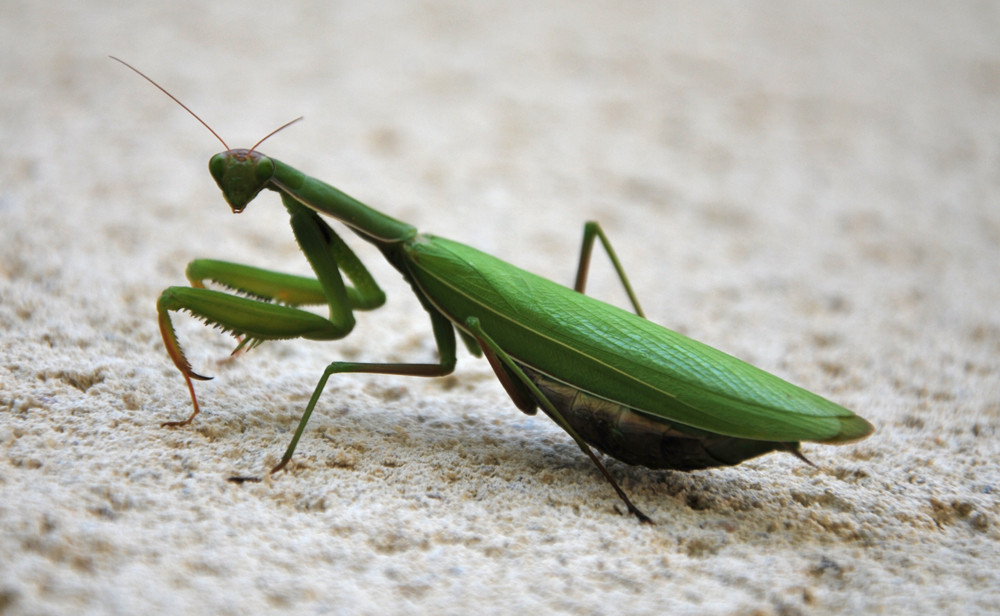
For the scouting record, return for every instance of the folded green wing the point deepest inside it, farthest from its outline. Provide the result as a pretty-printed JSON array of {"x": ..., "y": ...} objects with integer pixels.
[{"x": 617, "y": 355}]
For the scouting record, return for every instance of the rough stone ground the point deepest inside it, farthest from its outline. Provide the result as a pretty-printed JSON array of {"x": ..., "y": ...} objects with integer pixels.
[{"x": 811, "y": 187}]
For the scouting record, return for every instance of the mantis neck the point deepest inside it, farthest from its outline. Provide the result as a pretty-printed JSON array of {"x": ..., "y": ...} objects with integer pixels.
[{"x": 325, "y": 199}]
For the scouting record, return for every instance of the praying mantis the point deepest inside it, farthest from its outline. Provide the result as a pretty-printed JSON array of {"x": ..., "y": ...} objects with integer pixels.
[{"x": 611, "y": 379}]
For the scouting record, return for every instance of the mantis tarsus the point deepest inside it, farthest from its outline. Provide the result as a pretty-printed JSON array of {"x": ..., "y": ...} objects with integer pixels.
[{"x": 611, "y": 379}]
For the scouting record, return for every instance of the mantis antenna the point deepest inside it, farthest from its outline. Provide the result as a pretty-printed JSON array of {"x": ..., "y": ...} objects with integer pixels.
[{"x": 195, "y": 115}]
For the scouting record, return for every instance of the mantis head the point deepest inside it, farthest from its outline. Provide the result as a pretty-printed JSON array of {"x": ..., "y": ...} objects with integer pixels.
[{"x": 241, "y": 175}]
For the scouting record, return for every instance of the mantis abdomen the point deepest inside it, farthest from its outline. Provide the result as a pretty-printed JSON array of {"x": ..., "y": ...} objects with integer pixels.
[{"x": 637, "y": 438}]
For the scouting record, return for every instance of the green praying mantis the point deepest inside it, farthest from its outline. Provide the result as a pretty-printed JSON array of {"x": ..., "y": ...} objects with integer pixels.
[{"x": 611, "y": 379}]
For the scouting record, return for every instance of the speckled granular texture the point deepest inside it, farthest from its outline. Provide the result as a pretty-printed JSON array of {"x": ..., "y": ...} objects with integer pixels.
[{"x": 811, "y": 187}]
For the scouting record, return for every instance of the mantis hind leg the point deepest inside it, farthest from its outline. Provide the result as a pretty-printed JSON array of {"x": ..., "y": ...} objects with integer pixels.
[
  {"x": 502, "y": 362},
  {"x": 592, "y": 230}
]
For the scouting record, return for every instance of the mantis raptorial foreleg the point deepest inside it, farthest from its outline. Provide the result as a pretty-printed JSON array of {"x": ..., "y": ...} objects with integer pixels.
[
  {"x": 591, "y": 230},
  {"x": 251, "y": 320},
  {"x": 255, "y": 282},
  {"x": 254, "y": 319}
]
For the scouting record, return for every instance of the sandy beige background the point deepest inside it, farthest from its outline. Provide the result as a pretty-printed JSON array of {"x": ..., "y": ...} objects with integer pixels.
[{"x": 811, "y": 187}]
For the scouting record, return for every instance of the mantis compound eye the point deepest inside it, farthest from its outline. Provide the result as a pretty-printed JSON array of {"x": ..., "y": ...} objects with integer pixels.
[{"x": 265, "y": 169}]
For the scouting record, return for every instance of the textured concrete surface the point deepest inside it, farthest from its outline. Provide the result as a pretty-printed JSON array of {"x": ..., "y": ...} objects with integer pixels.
[{"x": 811, "y": 187}]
